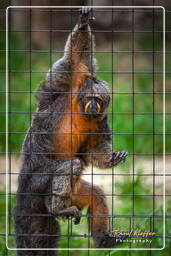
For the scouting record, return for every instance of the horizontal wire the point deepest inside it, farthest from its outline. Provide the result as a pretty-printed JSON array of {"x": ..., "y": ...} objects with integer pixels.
[
  {"x": 94, "y": 10},
  {"x": 93, "y": 72},
  {"x": 77, "y": 154},
  {"x": 86, "y": 133},
  {"x": 76, "y": 93},
  {"x": 85, "y": 174},
  {"x": 85, "y": 235},
  {"x": 62, "y": 51},
  {"x": 93, "y": 31},
  {"x": 93, "y": 215},
  {"x": 74, "y": 113},
  {"x": 90, "y": 194}
]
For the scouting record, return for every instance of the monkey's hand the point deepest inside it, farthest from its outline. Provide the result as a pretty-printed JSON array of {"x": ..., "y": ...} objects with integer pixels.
[
  {"x": 109, "y": 240},
  {"x": 72, "y": 212},
  {"x": 85, "y": 17},
  {"x": 118, "y": 157}
]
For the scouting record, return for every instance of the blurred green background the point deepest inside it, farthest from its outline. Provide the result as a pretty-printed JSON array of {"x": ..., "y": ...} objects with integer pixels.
[{"x": 139, "y": 133}]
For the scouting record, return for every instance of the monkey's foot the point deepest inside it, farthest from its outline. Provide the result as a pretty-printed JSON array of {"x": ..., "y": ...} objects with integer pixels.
[
  {"x": 109, "y": 240},
  {"x": 118, "y": 157},
  {"x": 72, "y": 212},
  {"x": 84, "y": 18}
]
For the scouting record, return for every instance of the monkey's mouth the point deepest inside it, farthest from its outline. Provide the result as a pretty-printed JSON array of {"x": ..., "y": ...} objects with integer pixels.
[{"x": 92, "y": 107}]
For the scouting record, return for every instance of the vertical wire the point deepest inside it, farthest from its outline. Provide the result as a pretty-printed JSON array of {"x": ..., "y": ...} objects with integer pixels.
[
  {"x": 113, "y": 180},
  {"x": 133, "y": 116},
  {"x": 70, "y": 95},
  {"x": 10, "y": 120},
  {"x": 153, "y": 59},
  {"x": 91, "y": 156},
  {"x": 30, "y": 79},
  {"x": 50, "y": 68},
  {"x": 7, "y": 37},
  {"x": 89, "y": 218},
  {"x": 71, "y": 176},
  {"x": 150, "y": 231},
  {"x": 92, "y": 167},
  {"x": 130, "y": 228},
  {"x": 164, "y": 123}
]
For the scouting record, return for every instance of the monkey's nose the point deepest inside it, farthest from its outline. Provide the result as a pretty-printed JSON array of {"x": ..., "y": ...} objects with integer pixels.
[{"x": 92, "y": 107}]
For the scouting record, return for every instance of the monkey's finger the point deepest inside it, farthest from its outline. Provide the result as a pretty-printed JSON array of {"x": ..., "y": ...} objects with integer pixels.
[
  {"x": 120, "y": 155},
  {"x": 92, "y": 18},
  {"x": 123, "y": 156},
  {"x": 77, "y": 217},
  {"x": 109, "y": 234},
  {"x": 85, "y": 10},
  {"x": 116, "y": 154},
  {"x": 77, "y": 220},
  {"x": 82, "y": 11},
  {"x": 89, "y": 9},
  {"x": 75, "y": 214},
  {"x": 124, "y": 153}
]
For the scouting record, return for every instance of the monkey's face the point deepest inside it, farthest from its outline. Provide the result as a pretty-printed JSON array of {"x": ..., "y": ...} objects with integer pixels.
[
  {"x": 93, "y": 106},
  {"x": 94, "y": 98}
]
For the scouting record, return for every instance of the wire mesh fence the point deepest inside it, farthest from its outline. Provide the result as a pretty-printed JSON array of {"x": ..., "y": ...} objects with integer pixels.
[{"x": 133, "y": 66}]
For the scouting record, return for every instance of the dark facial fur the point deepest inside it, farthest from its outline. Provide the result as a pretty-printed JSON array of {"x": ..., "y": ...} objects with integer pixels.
[{"x": 94, "y": 98}]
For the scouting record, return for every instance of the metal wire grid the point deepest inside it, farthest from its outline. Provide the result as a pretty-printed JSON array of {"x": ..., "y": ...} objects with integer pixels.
[{"x": 133, "y": 174}]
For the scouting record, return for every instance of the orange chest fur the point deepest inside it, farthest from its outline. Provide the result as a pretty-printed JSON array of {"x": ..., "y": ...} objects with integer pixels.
[{"x": 73, "y": 131}]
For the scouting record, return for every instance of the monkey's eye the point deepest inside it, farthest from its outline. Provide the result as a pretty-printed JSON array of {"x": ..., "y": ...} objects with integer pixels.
[{"x": 99, "y": 101}]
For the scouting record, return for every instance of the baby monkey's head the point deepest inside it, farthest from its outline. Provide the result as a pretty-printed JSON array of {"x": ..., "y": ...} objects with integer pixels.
[{"x": 94, "y": 97}]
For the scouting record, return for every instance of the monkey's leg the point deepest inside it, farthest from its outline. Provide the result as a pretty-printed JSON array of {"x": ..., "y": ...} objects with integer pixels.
[
  {"x": 28, "y": 230},
  {"x": 93, "y": 197}
]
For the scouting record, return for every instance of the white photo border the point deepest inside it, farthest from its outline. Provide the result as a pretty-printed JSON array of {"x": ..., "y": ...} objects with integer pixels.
[{"x": 7, "y": 126}]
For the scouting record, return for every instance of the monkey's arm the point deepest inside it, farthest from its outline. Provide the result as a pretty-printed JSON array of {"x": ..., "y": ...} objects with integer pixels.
[
  {"x": 78, "y": 50},
  {"x": 99, "y": 150},
  {"x": 80, "y": 44},
  {"x": 102, "y": 156}
]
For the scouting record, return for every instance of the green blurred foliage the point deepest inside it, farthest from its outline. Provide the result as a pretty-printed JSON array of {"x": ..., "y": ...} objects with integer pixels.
[
  {"x": 142, "y": 206},
  {"x": 121, "y": 117}
]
